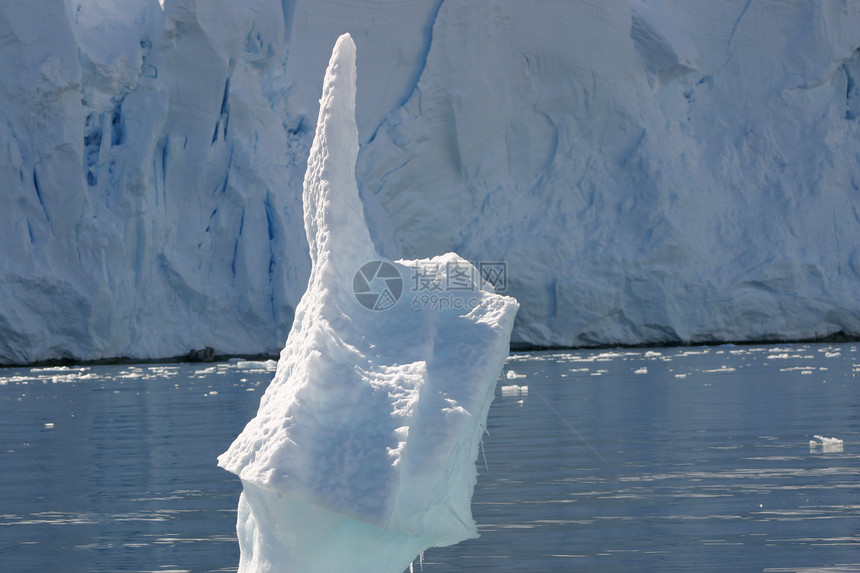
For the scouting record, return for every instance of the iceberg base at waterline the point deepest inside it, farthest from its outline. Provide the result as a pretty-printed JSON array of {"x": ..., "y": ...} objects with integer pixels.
[
  {"x": 362, "y": 453},
  {"x": 277, "y": 531}
]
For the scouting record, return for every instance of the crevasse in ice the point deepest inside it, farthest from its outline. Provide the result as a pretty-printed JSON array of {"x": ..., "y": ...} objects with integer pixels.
[{"x": 362, "y": 453}]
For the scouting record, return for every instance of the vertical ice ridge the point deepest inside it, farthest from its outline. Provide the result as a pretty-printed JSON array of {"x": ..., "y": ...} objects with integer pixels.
[
  {"x": 271, "y": 218},
  {"x": 420, "y": 66},
  {"x": 117, "y": 123},
  {"x": 37, "y": 187},
  {"x": 223, "y": 122},
  {"x": 732, "y": 34},
  {"x": 331, "y": 198}
]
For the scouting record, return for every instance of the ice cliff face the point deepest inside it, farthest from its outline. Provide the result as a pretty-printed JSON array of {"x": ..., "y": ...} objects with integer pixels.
[
  {"x": 146, "y": 177},
  {"x": 657, "y": 171}
]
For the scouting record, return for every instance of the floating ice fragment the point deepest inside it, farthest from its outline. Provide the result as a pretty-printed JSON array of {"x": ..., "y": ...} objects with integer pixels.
[
  {"x": 828, "y": 445},
  {"x": 256, "y": 365},
  {"x": 828, "y": 441},
  {"x": 362, "y": 453},
  {"x": 514, "y": 390}
]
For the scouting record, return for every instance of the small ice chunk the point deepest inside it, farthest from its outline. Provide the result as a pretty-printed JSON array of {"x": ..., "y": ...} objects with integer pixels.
[
  {"x": 828, "y": 445},
  {"x": 722, "y": 368},
  {"x": 514, "y": 390},
  {"x": 270, "y": 365}
]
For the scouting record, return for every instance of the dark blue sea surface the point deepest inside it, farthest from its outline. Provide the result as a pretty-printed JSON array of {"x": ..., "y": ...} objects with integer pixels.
[{"x": 669, "y": 459}]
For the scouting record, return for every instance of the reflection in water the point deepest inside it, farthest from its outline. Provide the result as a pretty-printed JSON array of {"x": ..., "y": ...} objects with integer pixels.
[{"x": 626, "y": 460}]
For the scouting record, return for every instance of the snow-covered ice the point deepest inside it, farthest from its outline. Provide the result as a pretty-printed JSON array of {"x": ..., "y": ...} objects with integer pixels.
[
  {"x": 256, "y": 365},
  {"x": 652, "y": 172},
  {"x": 828, "y": 445},
  {"x": 827, "y": 441},
  {"x": 362, "y": 453},
  {"x": 509, "y": 390}
]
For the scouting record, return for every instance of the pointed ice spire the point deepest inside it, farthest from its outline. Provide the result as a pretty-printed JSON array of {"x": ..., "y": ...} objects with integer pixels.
[{"x": 331, "y": 199}]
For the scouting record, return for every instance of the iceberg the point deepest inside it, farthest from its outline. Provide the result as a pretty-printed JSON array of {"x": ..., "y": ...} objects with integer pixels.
[
  {"x": 828, "y": 445},
  {"x": 362, "y": 453}
]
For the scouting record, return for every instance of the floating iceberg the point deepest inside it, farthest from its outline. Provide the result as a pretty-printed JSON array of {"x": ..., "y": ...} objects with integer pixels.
[
  {"x": 362, "y": 453},
  {"x": 256, "y": 365},
  {"x": 514, "y": 390},
  {"x": 828, "y": 445},
  {"x": 826, "y": 441}
]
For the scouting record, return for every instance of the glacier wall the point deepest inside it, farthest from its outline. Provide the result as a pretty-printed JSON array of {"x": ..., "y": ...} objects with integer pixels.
[{"x": 651, "y": 172}]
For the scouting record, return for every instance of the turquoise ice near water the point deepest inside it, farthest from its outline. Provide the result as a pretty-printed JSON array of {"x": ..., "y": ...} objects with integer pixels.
[{"x": 670, "y": 459}]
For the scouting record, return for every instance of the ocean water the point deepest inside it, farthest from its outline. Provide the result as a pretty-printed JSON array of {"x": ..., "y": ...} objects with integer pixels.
[{"x": 669, "y": 459}]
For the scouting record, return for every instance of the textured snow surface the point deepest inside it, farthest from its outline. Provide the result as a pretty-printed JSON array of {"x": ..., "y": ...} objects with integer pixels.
[
  {"x": 366, "y": 439},
  {"x": 652, "y": 171}
]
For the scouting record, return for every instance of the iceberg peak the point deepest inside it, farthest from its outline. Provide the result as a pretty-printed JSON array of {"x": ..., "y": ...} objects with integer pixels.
[{"x": 331, "y": 199}]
